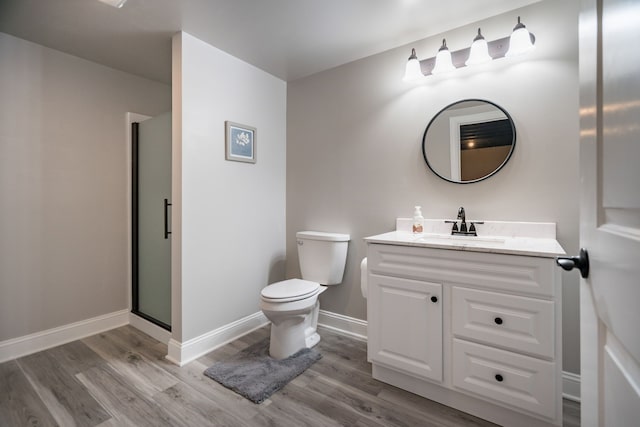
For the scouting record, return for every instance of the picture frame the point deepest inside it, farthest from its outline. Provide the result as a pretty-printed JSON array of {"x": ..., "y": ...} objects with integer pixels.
[{"x": 240, "y": 142}]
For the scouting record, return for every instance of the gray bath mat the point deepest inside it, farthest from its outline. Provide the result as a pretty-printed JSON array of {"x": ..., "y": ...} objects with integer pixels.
[{"x": 256, "y": 376}]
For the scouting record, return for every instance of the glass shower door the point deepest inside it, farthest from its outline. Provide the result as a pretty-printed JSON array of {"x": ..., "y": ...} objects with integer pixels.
[{"x": 151, "y": 219}]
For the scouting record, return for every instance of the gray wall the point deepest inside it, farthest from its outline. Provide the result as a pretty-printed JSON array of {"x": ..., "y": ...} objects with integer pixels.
[
  {"x": 229, "y": 223},
  {"x": 354, "y": 161},
  {"x": 63, "y": 185}
]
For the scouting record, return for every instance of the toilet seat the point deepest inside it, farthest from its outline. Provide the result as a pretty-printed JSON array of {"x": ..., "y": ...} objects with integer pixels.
[{"x": 289, "y": 291}]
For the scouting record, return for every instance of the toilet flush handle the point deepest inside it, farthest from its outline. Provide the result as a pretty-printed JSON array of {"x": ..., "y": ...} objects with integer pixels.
[{"x": 300, "y": 243}]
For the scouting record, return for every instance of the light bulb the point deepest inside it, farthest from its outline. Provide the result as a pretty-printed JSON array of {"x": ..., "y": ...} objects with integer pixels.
[
  {"x": 479, "y": 53},
  {"x": 413, "y": 71},
  {"x": 443, "y": 60},
  {"x": 520, "y": 41}
]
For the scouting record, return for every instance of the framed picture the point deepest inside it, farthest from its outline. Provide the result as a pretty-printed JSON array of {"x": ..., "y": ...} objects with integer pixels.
[{"x": 240, "y": 142}]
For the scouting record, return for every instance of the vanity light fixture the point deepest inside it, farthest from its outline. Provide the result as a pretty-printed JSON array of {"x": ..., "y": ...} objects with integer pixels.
[
  {"x": 481, "y": 51},
  {"x": 115, "y": 3},
  {"x": 413, "y": 71},
  {"x": 443, "y": 60},
  {"x": 520, "y": 41}
]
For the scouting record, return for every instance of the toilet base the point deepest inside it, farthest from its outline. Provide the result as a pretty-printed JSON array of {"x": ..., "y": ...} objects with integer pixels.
[
  {"x": 312, "y": 339},
  {"x": 284, "y": 345},
  {"x": 292, "y": 331}
]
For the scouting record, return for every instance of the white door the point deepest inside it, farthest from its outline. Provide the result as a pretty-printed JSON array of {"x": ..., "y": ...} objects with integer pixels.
[{"x": 610, "y": 211}]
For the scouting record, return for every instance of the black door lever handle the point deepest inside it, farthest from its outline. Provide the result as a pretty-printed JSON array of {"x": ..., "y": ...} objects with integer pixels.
[{"x": 581, "y": 262}]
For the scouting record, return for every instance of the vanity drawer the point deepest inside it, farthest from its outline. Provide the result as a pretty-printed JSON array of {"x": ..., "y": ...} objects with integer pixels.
[
  {"x": 509, "y": 273},
  {"x": 512, "y": 379},
  {"x": 518, "y": 323}
]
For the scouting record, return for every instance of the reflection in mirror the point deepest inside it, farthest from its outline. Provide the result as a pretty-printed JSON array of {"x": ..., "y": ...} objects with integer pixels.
[{"x": 468, "y": 141}]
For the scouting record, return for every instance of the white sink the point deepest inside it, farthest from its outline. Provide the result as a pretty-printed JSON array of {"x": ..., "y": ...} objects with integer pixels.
[
  {"x": 458, "y": 238},
  {"x": 503, "y": 237}
]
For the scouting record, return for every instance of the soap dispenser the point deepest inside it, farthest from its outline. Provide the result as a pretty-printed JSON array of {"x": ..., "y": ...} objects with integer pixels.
[{"x": 418, "y": 220}]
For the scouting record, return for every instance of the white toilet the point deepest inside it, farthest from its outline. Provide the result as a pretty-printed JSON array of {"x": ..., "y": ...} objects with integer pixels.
[{"x": 292, "y": 305}]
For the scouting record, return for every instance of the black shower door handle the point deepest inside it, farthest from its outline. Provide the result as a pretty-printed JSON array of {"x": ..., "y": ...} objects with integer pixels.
[{"x": 166, "y": 218}]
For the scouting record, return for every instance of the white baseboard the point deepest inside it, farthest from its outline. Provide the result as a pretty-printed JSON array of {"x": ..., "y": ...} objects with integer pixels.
[
  {"x": 571, "y": 386},
  {"x": 343, "y": 325},
  {"x": 149, "y": 328},
  {"x": 28, "y": 344},
  {"x": 182, "y": 353}
]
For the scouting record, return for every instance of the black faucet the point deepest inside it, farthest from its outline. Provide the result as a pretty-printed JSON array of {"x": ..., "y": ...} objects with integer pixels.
[{"x": 463, "y": 225}]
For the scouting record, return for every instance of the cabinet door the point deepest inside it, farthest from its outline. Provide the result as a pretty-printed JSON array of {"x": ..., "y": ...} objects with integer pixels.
[{"x": 405, "y": 325}]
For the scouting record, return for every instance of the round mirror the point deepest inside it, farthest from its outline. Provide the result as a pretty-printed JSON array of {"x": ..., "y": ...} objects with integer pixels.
[{"x": 469, "y": 141}]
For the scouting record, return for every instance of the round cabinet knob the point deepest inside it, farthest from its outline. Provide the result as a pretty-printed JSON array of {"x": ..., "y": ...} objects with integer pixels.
[
  {"x": 498, "y": 320},
  {"x": 434, "y": 299},
  {"x": 499, "y": 378}
]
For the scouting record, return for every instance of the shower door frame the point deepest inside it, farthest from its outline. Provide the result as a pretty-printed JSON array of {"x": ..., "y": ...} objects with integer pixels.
[{"x": 135, "y": 303}]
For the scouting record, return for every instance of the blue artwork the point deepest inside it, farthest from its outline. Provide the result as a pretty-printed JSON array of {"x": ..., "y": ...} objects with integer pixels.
[{"x": 241, "y": 143}]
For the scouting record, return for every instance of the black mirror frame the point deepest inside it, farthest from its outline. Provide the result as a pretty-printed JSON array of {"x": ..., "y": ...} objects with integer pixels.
[{"x": 513, "y": 145}]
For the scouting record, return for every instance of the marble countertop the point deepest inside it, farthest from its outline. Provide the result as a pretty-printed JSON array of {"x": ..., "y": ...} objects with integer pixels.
[{"x": 527, "y": 244}]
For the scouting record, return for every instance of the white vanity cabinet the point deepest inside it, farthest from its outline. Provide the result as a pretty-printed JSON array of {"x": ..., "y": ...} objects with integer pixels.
[{"x": 472, "y": 328}]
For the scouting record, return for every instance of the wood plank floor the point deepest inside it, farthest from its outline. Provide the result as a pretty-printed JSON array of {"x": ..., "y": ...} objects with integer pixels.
[{"x": 120, "y": 378}]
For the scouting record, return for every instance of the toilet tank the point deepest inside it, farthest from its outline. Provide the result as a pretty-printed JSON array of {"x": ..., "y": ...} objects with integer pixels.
[{"x": 322, "y": 256}]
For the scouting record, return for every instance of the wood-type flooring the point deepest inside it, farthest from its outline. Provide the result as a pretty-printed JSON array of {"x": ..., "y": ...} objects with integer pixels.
[{"x": 120, "y": 378}]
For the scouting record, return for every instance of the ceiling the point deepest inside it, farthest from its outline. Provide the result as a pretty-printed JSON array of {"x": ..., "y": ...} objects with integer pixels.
[{"x": 287, "y": 38}]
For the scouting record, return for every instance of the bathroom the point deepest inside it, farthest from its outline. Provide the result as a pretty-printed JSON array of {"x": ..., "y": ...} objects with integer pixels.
[
  {"x": 339, "y": 151},
  {"x": 362, "y": 156}
]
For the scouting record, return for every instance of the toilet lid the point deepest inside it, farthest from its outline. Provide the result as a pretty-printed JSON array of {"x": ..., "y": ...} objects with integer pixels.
[{"x": 290, "y": 289}]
